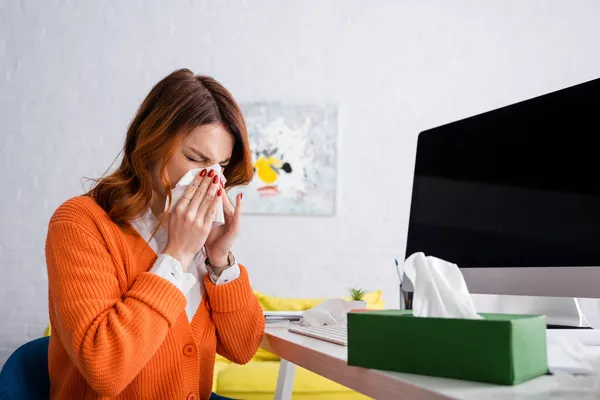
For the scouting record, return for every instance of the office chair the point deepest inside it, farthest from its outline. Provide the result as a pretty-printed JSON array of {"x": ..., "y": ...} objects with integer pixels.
[{"x": 25, "y": 373}]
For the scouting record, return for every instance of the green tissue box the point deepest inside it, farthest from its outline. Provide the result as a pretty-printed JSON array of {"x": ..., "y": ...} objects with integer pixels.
[{"x": 501, "y": 348}]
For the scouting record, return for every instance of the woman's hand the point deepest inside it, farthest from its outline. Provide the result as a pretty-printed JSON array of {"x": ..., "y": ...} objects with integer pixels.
[
  {"x": 222, "y": 237},
  {"x": 191, "y": 221}
]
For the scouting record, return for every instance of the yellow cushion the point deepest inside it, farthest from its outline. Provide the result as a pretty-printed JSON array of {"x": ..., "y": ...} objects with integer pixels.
[
  {"x": 263, "y": 355},
  {"x": 272, "y": 303},
  {"x": 219, "y": 366},
  {"x": 257, "y": 380},
  {"x": 220, "y": 358}
]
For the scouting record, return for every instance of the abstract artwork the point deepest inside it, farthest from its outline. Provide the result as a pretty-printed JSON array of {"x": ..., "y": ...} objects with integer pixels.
[{"x": 294, "y": 151}]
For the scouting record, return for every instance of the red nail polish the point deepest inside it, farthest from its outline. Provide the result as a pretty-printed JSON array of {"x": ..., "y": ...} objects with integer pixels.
[
  {"x": 203, "y": 173},
  {"x": 211, "y": 173},
  {"x": 215, "y": 179},
  {"x": 220, "y": 192},
  {"x": 241, "y": 196}
]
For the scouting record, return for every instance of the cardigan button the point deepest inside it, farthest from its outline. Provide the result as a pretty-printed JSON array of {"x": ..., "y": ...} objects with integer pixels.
[
  {"x": 192, "y": 396},
  {"x": 189, "y": 350}
]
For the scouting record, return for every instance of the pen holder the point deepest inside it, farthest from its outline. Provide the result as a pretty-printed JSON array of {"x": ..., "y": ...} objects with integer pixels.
[{"x": 405, "y": 299}]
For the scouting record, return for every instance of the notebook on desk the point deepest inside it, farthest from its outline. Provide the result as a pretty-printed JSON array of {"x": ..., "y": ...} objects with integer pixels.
[{"x": 277, "y": 316}]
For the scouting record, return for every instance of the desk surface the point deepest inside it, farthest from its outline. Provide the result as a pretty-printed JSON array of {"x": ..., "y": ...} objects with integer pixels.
[{"x": 329, "y": 360}]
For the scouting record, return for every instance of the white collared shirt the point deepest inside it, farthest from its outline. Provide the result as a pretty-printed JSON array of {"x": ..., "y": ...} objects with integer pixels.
[{"x": 190, "y": 283}]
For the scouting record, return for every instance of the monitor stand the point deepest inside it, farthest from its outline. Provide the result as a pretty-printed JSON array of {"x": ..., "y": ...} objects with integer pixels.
[
  {"x": 552, "y": 326},
  {"x": 561, "y": 312}
]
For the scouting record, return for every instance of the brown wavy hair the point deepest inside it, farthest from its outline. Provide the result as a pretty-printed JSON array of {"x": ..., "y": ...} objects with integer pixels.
[{"x": 174, "y": 107}]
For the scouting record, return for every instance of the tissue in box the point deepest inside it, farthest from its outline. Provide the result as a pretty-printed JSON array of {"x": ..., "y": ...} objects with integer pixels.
[{"x": 501, "y": 348}]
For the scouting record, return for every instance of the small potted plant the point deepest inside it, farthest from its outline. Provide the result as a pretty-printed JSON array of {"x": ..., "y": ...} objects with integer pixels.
[{"x": 356, "y": 298}]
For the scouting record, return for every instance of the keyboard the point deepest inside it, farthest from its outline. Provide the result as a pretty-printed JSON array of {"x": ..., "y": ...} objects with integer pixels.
[{"x": 337, "y": 334}]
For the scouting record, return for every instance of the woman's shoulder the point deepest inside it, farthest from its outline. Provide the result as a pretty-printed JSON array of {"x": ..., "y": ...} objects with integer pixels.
[{"x": 81, "y": 210}]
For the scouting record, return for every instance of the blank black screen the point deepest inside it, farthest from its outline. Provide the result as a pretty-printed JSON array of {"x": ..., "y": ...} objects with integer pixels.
[{"x": 514, "y": 187}]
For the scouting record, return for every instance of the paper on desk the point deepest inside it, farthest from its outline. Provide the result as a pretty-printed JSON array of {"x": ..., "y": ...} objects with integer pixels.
[
  {"x": 439, "y": 288},
  {"x": 575, "y": 365},
  {"x": 188, "y": 178},
  {"x": 567, "y": 386},
  {"x": 329, "y": 312},
  {"x": 567, "y": 353}
]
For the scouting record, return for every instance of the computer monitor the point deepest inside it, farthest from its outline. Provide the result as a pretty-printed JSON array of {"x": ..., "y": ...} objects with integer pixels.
[{"x": 512, "y": 196}]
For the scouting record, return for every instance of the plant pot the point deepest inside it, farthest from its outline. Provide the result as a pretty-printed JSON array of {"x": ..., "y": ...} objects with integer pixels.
[{"x": 358, "y": 305}]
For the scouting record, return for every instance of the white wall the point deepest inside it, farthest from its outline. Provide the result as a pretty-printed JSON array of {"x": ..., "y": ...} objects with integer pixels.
[{"x": 73, "y": 72}]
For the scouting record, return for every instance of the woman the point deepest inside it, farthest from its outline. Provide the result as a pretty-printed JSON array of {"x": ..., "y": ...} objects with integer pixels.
[{"x": 141, "y": 299}]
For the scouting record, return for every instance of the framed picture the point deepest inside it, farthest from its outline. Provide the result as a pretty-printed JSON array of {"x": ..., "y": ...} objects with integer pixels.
[{"x": 294, "y": 153}]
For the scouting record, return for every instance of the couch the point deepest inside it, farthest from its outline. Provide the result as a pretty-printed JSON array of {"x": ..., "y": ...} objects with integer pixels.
[{"x": 257, "y": 379}]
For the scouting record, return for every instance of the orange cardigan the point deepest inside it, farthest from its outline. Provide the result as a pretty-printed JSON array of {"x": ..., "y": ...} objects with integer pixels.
[{"x": 121, "y": 332}]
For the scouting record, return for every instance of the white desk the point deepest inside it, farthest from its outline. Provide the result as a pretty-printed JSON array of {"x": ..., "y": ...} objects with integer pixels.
[{"x": 329, "y": 360}]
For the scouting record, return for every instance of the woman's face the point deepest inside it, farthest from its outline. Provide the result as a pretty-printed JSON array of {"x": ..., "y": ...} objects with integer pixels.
[{"x": 204, "y": 146}]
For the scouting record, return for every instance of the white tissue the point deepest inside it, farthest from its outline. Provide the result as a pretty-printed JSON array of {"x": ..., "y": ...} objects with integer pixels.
[
  {"x": 189, "y": 178},
  {"x": 329, "y": 312},
  {"x": 439, "y": 288},
  {"x": 576, "y": 368}
]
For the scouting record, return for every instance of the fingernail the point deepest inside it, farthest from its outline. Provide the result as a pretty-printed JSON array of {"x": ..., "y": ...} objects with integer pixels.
[
  {"x": 215, "y": 179},
  {"x": 241, "y": 196},
  {"x": 211, "y": 173},
  {"x": 220, "y": 192},
  {"x": 203, "y": 173}
]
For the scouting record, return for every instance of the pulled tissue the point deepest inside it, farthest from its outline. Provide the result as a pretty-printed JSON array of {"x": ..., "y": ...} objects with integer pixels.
[
  {"x": 188, "y": 178},
  {"x": 439, "y": 288}
]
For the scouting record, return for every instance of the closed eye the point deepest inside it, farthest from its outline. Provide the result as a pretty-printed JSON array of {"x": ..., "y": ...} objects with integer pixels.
[
  {"x": 204, "y": 159},
  {"x": 197, "y": 161}
]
